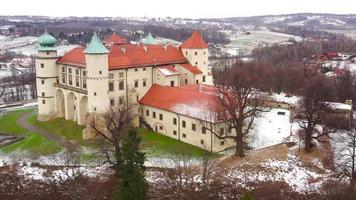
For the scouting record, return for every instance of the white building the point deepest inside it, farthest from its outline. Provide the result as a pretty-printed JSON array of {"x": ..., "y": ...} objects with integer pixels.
[{"x": 91, "y": 79}]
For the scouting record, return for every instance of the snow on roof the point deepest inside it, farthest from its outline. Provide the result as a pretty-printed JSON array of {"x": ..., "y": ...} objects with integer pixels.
[
  {"x": 339, "y": 106},
  {"x": 285, "y": 98},
  {"x": 183, "y": 101},
  {"x": 168, "y": 70}
]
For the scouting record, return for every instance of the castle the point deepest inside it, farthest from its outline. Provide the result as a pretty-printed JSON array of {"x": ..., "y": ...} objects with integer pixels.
[{"x": 170, "y": 87}]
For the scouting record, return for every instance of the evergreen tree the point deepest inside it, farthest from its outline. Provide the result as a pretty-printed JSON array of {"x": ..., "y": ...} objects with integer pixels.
[
  {"x": 131, "y": 181},
  {"x": 246, "y": 196}
]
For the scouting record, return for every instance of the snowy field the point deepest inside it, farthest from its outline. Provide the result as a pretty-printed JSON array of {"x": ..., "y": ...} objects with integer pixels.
[
  {"x": 270, "y": 128},
  {"x": 245, "y": 43}
]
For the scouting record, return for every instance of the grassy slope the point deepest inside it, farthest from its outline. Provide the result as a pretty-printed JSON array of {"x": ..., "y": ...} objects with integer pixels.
[
  {"x": 33, "y": 143},
  {"x": 159, "y": 145},
  {"x": 61, "y": 127},
  {"x": 154, "y": 144}
]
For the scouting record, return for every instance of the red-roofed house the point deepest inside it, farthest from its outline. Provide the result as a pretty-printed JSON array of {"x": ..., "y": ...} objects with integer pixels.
[
  {"x": 116, "y": 72},
  {"x": 178, "y": 112}
]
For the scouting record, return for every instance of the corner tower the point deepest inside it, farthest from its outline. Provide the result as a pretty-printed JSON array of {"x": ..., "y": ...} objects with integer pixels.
[
  {"x": 195, "y": 50},
  {"x": 46, "y": 76},
  {"x": 97, "y": 65}
]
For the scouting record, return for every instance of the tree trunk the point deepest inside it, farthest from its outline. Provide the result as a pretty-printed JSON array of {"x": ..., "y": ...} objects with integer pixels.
[
  {"x": 308, "y": 140},
  {"x": 239, "y": 143}
]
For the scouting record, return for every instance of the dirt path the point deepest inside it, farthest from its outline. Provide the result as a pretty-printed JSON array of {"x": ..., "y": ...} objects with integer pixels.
[{"x": 23, "y": 122}]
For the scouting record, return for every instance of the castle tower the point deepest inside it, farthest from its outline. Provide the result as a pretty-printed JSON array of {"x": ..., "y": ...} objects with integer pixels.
[
  {"x": 46, "y": 76},
  {"x": 97, "y": 65},
  {"x": 195, "y": 50}
]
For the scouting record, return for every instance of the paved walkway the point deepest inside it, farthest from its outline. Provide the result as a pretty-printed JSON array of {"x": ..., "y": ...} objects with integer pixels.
[{"x": 23, "y": 122}]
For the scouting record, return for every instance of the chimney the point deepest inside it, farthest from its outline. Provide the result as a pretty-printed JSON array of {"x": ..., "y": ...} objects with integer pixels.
[
  {"x": 145, "y": 48},
  {"x": 123, "y": 50}
]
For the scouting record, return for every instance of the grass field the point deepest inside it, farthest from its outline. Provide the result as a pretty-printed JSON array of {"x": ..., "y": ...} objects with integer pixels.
[
  {"x": 153, "y": 144},
  {"x": 33, "y": 143},
  {"x": 61, "y": 127}
]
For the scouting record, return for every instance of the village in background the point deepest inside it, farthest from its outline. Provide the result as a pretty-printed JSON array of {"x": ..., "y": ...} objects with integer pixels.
[{"x": 275, "y": 160}]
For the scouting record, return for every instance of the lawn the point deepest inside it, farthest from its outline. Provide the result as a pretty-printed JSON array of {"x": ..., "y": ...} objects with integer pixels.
[
  {"x": 155, "y": 144},
  {"x": 60, "y": 127},
  {"x": 8, "y": 122},
  {"x": 33, "y": 143}
]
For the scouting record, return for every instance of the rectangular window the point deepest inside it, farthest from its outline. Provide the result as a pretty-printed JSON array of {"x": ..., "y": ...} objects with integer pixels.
[
  {"x": 221, "y": 131},
  {"x": 154, "y": 115},
  {"x": 186, "y": 81},
  {"x": 43, "y": 101},
  {"x": 172, "y": 83},
  {"x": 77, "y": 81},
  {"x": 112, "y": 102},
  {"x": 161, "y": 128},
  {"x": 144, "y": 69},
  {"x": 197, "y": 81},
  {"x": 69, "y": 70},
  {"x": 144, "y": 83},
  {"x": 184, "y": 135},
  {"x": 111, "y": 76},
  {"x": 77, "y": 72},
  {"x": 196, "y": 53},
  {"x": 183, "y": 124},
  {"x": 42, "y": 82},
  {"x": 121, "y": 101},
  {"x": 136, "y": 70},
  {"x": 70, "y": 80},
  {"x": 160, "y": 117},
  {"x": 63, "y": 69},
  {"x": 193, "y": 127},
  {"x": 121, "y": 75},
  {"x": 43, "y": 94},
  {"x": 147, "y": 113},
  {"x": 202, "y": 142},
  {"x": 174, "y": 132},
  {"x": 63, "y": 78},
  {"x": 84, "y": 83},
  {"x": 111, "y": 86},
  {"x": 196, "y": 63},
  {"x": 136, "y": 84},
  {"x": 42, "y": 65},
  {"x": 100, "y": 72},
  {"x": 222, "y": 143},
  {"x": 175, "y": 121},
  {"x": 84, "y": 73},
  {"x": 121, "y": 85},
  {"x": 203, "y": 130},
  {"x": 204, "y": 78}
]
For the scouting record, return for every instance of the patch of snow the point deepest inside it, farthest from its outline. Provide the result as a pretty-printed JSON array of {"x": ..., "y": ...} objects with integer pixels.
[
  {"x": 270, "y": 128},
  {"x": 339, "y": 106}
]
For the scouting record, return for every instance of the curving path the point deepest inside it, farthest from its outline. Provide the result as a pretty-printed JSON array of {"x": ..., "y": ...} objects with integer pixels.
[{"x": 23, "y": 122}]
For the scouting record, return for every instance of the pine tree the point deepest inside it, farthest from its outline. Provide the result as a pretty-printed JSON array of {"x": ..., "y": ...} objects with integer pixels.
[{"x": 131, "y": 181}]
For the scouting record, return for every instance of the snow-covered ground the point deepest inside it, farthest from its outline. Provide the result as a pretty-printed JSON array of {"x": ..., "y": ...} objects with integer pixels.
[{"x": 270, "y": 128}]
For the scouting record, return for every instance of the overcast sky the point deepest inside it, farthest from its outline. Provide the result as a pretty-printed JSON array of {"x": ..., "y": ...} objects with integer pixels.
[{"x": 176, "y": 8}]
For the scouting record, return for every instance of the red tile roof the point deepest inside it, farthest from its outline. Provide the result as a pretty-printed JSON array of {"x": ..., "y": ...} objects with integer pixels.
[
  {"x": 74, "y": 57},
  {"x": 195, "y": 41},
  {"x": 192, "y": 69},
  {"x": 182, "y": 101},
  {"x": 201, "y": 88},
  {"x": 115, "y": 39},
  {"x": 128, "y": 55},
  {"x": 168, "y": 70}
]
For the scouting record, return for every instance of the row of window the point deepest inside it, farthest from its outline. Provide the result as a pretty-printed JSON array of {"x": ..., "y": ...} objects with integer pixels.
[
  {"x": 84, "y": 73},
  {"x": 121, "y": 101},
  {"x": 77, "y": 81},
  {"x": 195, "y": 53}
]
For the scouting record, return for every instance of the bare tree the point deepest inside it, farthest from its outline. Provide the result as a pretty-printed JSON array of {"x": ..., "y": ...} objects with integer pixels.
[
  {"x": 313, "y": 111},
  {"x": 346, "y": 159},
  {"x": 113, "y": 126},
  {"x": 241, "y": 103}
]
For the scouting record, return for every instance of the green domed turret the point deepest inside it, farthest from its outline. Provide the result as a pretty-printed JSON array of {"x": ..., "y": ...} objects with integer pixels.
[
  {"x": 46, "y": 42},
  {"x": 150, "y": 39}
]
